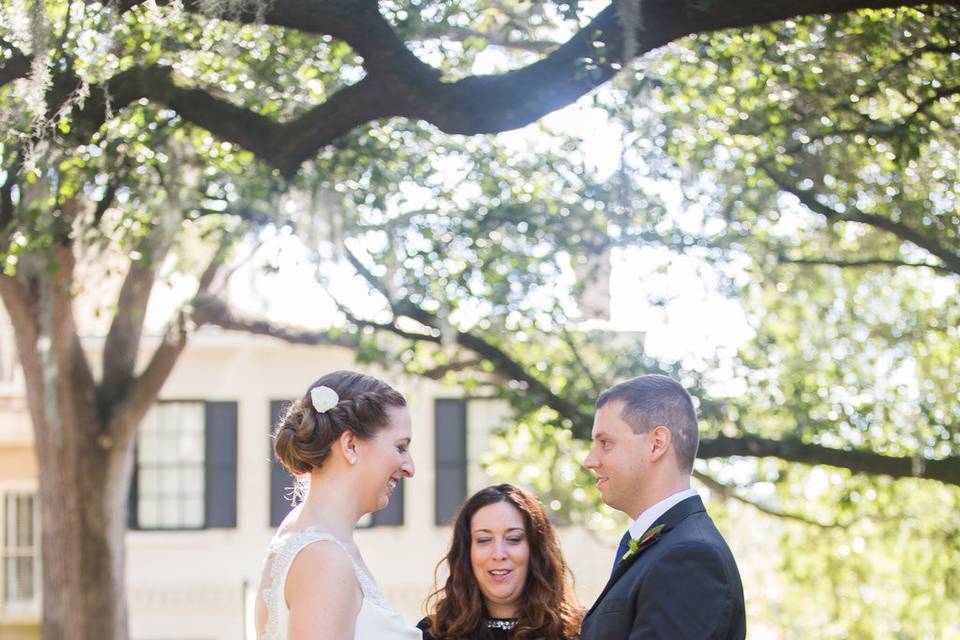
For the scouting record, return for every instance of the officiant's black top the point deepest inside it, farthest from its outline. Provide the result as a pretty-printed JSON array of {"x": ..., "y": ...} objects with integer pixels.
[{"x": 493, "y": 629}]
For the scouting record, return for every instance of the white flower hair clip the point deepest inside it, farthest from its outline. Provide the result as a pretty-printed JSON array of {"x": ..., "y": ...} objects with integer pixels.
[{"x": 323, "y": 398}]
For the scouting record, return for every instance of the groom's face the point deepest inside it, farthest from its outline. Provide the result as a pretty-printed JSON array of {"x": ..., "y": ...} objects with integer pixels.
[{"x": 617, "y": 459}]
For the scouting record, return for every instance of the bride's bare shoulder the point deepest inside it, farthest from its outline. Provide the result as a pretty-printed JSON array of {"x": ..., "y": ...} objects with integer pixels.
[{"x": 318, "y": 590}]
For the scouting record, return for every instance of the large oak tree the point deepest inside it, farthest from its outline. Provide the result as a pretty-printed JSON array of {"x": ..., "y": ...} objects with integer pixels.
[{"x": 142, "y": 122}]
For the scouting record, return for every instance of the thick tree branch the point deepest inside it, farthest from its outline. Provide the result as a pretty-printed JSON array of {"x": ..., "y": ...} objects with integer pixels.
[
  {"x": 356, "y": 22},
  {"x": 497, "y": 39},
  {"x": 104, "y": 203},
  {"x": 864, "y": 263},
  {"x": 512, "y": 370},
  {"x": 77, "y": 366},
  {"x": 570, "y": 341},
  {"x": 904, "y": 61},
  {"x": 123, "y": 339},
  {"x": 928, "y": 102},
  {"x": 484, "y": 104},
  {"x": 729, "y": 492},
  {"x": 15, "y": 67},
  {"x": 389, "y": 327},
  {"x": 946, "y": 470},
  {"x": 378, "y": 285},
  {"x": 440, "y": 371},
  {"x": 209, "y": 309},
  {"x": 503, "y": 363},
  {"x": 478, "y": 104},
  {"x": 125, "y": 415},
  {"x": 808, "y": 198}
]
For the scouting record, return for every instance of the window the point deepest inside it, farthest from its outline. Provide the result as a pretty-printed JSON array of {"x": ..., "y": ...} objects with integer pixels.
[
  {"x": 170, "y": 461},
  {"x": 21, "y": 557},
  {"x": 185, "y": 475}
]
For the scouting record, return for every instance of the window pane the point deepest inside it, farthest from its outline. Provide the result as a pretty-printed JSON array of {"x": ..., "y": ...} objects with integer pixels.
[
  {"x": 167, "y": 449},
  {"x": 24, "y": 521},
  {"x": 147, "y": 448},
  {"x": 20, "y": 550},
  {"x": 193, "y": 512},
  {"x": 18, "y": 532},
  {"x": 169, "y": 485},
  {"x": 147, "y": 482},
  {"x": 170, "y": 514},
  {"x": 148, "y": 515},
  {"x": 190, "y": 447},
  {"x": 10, "y": 521},
  {"x": 10, "y": 583},
  {"x": 192, "y": 419},
  {"x": 21, "y": 578},
  {"x": 191, "y": 480}
]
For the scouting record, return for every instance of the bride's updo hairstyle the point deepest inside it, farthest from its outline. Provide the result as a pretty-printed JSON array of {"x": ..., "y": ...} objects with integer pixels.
[{"x": 304, "y": 436}]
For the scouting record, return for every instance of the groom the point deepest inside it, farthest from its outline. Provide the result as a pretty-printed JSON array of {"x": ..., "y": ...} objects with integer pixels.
[{"x": 674, "y": 576}]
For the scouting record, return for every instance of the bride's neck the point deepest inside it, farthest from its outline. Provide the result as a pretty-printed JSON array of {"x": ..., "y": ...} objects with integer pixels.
[{"x": 331, "y": 504}]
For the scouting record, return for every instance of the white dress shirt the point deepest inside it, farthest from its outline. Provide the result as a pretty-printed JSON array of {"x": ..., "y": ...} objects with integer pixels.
[{"x": 639, "y": 526}]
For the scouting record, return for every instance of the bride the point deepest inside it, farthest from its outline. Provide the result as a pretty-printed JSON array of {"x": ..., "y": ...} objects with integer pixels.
[{"x": 350, "y": 435}]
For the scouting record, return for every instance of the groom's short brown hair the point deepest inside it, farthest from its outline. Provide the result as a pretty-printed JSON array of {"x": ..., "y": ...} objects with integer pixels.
[{"x": 654, "y": 400}]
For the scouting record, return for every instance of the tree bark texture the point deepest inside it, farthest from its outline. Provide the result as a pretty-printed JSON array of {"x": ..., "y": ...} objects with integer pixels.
[{"x": 84, "y": 440}]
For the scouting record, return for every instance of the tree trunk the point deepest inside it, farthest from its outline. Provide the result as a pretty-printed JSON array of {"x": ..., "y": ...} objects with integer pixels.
[
  {"x": 83, "y": 502},
  {"x": 84, "y": 472}
]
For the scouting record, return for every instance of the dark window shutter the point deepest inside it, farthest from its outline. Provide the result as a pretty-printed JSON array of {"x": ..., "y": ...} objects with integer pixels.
[
  {"x": 221, "y": 464},
  {"x": 132, "y": 500},
  {"x": 392, "y": 516},
  {"x": 450, "y": 456},
  {"x": 280, "y": 479}
]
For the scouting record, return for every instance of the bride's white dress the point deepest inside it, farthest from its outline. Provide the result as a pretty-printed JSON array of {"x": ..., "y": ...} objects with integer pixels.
[{"x": 376, "y": 620}]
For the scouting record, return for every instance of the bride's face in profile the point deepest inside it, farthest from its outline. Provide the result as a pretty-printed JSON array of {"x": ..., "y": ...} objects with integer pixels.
[{"x": 385, "y": 459}]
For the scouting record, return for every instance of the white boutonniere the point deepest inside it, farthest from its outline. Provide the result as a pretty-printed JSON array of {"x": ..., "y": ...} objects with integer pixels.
[{"x": 323, "y": 398}]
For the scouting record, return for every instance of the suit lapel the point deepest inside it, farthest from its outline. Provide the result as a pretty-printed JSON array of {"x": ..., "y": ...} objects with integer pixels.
[{"x": 669, "y": 520}]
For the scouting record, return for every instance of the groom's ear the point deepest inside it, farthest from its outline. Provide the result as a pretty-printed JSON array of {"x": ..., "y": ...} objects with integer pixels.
[{"x": 658, "y": 442}]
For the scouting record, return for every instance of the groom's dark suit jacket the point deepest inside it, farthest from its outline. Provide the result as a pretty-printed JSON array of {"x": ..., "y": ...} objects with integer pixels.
[{"x": 681, "y": 585}]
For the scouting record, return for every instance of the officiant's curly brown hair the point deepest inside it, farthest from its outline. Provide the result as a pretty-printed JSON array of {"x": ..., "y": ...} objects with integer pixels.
[{"x": 548, "y": 608}]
